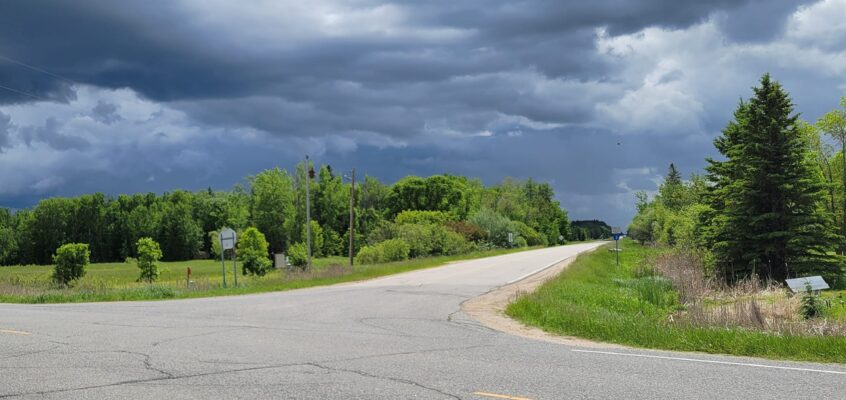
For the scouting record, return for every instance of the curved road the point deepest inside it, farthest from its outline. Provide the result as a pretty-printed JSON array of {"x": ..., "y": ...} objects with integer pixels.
[{"x": 398, "y": 337}]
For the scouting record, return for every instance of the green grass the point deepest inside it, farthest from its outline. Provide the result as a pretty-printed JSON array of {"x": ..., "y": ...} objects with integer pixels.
[
  {"x": 117, "y": 281},
  {"x": 596, "y": 300}
]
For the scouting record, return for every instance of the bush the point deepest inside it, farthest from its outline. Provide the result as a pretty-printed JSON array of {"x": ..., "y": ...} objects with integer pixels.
[
  {"x": 71, "y": 260},
  {"x": 394, "y": 250},
  {"x": 496, "y": 225},
  {"x": 316, "y": 239},
  {"x": 298, "y": 255},
  {"x": 520, "y": 242},
  {"x": 422, "y": 217},
  {"x": 149, "y": 254},
  {"x": 252, "y": 251},
  {"x": 369, "y": 255},
  {"x": 470, "y": 231},
  {"x": 333, "y": 244},
  {"x": 531, "y": 236},
  {"x": 387, "y": 251}
]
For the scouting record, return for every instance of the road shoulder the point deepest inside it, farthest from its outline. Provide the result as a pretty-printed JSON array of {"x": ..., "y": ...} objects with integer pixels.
[{"x": 489, "y": 308}]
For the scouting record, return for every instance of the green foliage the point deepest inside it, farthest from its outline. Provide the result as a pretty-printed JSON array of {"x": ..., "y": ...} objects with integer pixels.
[
  {"x": 812, "y": 306},
  {"x": 767, "y": 219},
  {"x": 334, "y": 244},
  {"x": 530, "y": 236},
  {"x": 470, "y": 231},
  {"x": 595, "y": 229},
  {"x": 496, "y": 225},
  {"x": 71, "y": 260},
  {"x": 253, "y": 252},
  {"x": 317, "y": 237},
  {"x": 185, "y": 224},
  {"x": 595, "y": 299},
  {"x": 298, "y": 255},
  {"x": 272, "y": 207},
  {"x": 387, "y": 251},
  {"x": 422, "y": 217},
  {"x": 149, "y": 254}
]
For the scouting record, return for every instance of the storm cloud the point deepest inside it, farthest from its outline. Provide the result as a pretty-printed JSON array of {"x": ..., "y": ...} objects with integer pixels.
[{"x": 595, "y": 97}]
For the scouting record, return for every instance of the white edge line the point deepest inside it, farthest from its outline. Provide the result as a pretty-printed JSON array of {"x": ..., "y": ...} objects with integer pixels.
[
  {"x": 822, "y": 371},
  {"x": 543, "y": 268}
]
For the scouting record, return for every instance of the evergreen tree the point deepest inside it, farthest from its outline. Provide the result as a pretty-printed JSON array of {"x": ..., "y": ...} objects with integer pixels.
[
  {"x": 672, "y": 189},
  {"x": 767, "y": 218}
]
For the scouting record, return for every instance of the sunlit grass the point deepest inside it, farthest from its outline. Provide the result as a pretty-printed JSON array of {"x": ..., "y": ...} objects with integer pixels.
[
  {"x": 118, "y": 281},
  {"x": 595, "y": 299}
]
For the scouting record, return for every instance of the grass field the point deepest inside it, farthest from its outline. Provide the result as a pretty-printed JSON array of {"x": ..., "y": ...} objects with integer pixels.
[
  {"x": 595, "y": 299},
  {"x": 117, "y": 281}
]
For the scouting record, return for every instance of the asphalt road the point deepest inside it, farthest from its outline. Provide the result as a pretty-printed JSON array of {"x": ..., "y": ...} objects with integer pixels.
[{"x": 398, "y": 337}]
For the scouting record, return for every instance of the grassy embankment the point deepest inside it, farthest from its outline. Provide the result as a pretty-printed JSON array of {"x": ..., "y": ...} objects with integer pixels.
[
  {"x": 594, "y": 299},
  {"x": 117, "y": 281}
]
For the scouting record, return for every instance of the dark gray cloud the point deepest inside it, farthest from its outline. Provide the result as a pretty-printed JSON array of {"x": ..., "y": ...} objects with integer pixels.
[
  {"x": 50, "y": 134},
  {"x": 105, "y": 112},
  {"x": 198, "y": 93},
  {"x": 5, "y": 130}
]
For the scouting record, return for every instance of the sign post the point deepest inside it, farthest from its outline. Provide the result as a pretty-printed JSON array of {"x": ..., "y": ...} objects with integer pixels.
[
  {"x": 617, "y": 233},
  {"x": 227, "y": 241}
]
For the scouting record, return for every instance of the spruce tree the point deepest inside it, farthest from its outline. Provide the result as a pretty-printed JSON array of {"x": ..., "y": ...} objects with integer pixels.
[
  {"x": 767, "y": 218},
  {"x": 672, "y": 190}
]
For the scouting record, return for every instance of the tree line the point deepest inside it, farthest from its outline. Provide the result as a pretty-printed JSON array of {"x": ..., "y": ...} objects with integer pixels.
[
  {"x": 458, "y": 212},
  {"x": 772, "y": 207}
]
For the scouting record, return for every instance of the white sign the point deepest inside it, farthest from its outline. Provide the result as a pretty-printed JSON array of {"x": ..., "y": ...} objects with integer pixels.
[
  {"x": 616, "y": 230},
  {"x": 227, "y": 239},
  {"x": 510, "y": 237}
]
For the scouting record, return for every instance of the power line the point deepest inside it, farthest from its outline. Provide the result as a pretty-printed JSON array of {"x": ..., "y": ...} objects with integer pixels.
[
  {"x": 36, "y": 69},
  {"x": 21, "y": 92}
]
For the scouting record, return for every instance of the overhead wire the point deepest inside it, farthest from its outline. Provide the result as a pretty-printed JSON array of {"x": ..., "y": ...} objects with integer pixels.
[{"x": 33, "y": 68}]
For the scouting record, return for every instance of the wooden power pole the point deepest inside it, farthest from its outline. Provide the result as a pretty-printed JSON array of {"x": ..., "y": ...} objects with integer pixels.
[{"x": 352, "y": 218}]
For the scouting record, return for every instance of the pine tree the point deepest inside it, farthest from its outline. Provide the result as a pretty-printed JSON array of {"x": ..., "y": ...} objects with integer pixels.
[
  {"x": 672, "y": 190},
  {"x": 766, "y": 196}
]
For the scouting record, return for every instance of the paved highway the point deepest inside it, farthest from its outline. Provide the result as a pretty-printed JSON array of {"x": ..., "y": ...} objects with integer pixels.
[{"x": 399, "y": 337}]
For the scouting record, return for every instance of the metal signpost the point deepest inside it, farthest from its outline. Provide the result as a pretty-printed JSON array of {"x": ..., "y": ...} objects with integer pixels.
[
  {"x": 227, "y": 241},
  {"x": 617, "y": 233},
  {"x": 510, "y": 239}
]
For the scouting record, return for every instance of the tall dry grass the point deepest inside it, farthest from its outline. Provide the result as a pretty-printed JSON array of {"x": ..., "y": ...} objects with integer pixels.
[{"x": 750, "y": 304}]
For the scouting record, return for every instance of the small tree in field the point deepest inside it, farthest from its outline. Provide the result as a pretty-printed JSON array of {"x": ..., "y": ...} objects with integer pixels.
[
  {"x": 149, "y": 254},
  {"x": 252, "y": 251},
  {"x": 71, "y": 260}
]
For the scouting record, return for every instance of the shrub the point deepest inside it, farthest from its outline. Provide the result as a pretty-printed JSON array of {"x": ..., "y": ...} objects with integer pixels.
[
  {"x": 394, "y": 250},
  {"x": 369, "y": 255},
  {"x": 520, "y": 242},
  {"x": 298, "y": 255},
  {"x": 470, "y": 231},
  {"x": 429, "y": 239},
  {"x": 387, "y": 251},
  {"x": 149, "y": 254},
  {"x": 71, "y": 260},
  {"x": 252, "y": 251},
  {"x": 316, "y": 239},
  {"x": 422, "y": 217},
  {"x": 496, "y": 225},
  {"x": 812, "y": 307},
  {"x": 333, "y": 244},
  {"x": 531, "y": 236}
]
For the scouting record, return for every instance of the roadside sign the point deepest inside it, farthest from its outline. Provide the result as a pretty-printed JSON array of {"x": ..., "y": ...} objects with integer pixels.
[
  {"x": 510, "y": 237},
  {"x": 799, "y": 285},
  {"x": 617, "y": 236},
  {"x": 227, "y": 239},
  {"x": 227, "y": 242},
  {"x": 616, "y": 230}
]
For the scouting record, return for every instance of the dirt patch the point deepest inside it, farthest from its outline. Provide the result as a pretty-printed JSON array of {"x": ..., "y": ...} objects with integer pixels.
[{"x": 489, "y": 309}]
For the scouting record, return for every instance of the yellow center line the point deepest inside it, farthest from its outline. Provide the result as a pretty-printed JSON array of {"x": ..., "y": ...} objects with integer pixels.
[
  {"x": 500, "y": 396},
  {"x": 14, "y": 332}
]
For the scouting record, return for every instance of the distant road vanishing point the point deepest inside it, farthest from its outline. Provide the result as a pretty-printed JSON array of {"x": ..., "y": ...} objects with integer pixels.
[{"x": 397, "y": 337}]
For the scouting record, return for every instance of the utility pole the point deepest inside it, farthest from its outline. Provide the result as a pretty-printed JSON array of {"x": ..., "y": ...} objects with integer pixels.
[
  {"x": 352, "y": 217},
  {"x": 309, "y": 173}
]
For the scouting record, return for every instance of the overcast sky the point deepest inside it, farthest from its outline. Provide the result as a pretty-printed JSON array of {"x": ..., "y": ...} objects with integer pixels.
[{"x": 595, "y": 97}]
